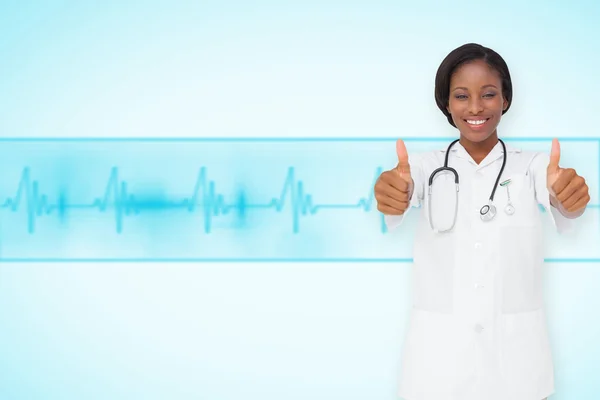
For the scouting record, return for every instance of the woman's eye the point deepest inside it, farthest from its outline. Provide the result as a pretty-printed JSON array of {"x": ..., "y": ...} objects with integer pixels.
[
  {"x": 460, "y": 96},
  {"x": 489, "y": 95}
]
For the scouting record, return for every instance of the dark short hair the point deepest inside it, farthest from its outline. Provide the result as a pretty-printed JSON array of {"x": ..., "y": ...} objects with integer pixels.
[{"x": 464, "y": 54}]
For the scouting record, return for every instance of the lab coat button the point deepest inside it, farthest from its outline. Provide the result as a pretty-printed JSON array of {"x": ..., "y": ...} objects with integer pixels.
[
  {"x": 479, "y": 286},
  {"x": 478, "y": 328},
  {"x": 477, "y": 245}
]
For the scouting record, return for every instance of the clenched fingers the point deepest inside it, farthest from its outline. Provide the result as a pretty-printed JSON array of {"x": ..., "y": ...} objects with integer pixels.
[
  {"x": 565, "y": 178},
  {"x": 571, "y": 203},
  {"x": 387, "y": 210},
  {"x": 566, "y": 190},
  {"x": 398, "y": 204},
  {"x": 581, "y": 203},
  {"x": 393, "y": 179}
]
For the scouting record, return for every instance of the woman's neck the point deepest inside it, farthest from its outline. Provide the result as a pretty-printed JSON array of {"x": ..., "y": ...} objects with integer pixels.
[{"x": 479, "y": 150}]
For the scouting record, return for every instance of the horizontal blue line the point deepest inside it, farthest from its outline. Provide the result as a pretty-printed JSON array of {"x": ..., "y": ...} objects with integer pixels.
[
  {"x": 248, "y": 260},
  {"x": 274, "y": 139}
]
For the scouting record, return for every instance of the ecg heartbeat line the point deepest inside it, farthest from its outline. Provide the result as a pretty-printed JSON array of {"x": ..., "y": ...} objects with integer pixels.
[{"x": 204, "y": 197}]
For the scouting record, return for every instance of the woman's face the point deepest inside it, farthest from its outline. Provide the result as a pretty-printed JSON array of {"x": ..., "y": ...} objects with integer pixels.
[{"x": 476, "y": 102}]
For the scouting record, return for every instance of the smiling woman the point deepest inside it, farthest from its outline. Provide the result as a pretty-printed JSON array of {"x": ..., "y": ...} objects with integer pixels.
[
  {"x": 477, "y": 328},
  {"x": 473, "y": 89}
]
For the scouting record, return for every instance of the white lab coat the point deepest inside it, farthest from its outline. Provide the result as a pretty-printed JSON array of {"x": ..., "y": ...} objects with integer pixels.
[{"x": 477, "y": 328}]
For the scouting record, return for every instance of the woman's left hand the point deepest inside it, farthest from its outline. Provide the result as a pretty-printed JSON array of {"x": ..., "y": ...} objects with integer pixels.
[{"x": 567, "y": 189}]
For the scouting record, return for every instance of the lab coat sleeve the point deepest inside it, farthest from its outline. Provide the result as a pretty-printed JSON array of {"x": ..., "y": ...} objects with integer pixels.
[
  {"x": 539, "y": 170},
  {"x": 394, "y": 221}
]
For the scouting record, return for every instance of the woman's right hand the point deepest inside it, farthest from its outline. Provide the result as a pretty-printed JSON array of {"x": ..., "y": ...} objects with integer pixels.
[{"x": 394, "y": 188}]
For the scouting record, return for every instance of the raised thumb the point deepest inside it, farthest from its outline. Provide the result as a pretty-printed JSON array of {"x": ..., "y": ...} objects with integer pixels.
[
  {"x": 403, "y": 165},
  {"x": 554, "y": 156}
]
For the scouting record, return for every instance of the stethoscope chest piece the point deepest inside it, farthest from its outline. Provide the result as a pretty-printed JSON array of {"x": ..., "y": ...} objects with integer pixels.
[{"x": 488, "y": 212}]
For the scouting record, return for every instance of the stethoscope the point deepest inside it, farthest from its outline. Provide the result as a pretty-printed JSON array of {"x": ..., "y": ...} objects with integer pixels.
[{"x": 488, "y": 211}]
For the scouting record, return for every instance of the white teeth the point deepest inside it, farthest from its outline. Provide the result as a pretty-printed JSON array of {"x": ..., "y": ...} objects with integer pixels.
[{"x": 474, "y": 122}]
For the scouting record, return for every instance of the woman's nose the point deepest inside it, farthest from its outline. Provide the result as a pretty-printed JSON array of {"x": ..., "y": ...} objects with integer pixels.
[{"x": 475, "y": 106}]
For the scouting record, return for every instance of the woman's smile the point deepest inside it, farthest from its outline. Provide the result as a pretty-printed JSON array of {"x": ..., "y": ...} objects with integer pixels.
[{"x": 477, "y": 124}]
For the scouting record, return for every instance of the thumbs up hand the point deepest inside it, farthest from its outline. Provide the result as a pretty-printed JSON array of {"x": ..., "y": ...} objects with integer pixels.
[
  {"x": 394, "y": 188},
  {"x": 568, "y": 191}
]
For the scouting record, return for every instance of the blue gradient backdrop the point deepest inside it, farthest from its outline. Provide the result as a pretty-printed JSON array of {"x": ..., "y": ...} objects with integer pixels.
[{"x": 117, "y": 315}]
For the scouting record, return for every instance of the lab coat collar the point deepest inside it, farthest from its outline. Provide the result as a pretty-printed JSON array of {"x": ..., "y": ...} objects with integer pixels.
[{"x": 459, "y": 151}]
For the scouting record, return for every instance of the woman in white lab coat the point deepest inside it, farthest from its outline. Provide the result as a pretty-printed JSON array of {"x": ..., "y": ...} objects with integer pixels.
[{"x": 477, "y": 328}]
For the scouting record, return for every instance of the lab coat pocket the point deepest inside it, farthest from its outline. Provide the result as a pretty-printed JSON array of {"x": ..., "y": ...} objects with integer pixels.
[
  {"x": 525, "y": 354},
  {"x": 515, "y": 201},
  {"x": 517, "y": 240}
]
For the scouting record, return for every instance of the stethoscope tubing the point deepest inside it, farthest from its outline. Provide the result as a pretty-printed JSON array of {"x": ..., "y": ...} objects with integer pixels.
[{"x": 488, "y": 211}]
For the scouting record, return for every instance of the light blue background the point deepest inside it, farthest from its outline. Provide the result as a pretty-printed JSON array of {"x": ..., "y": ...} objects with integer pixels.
[{"x": 262, "y": 330}]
